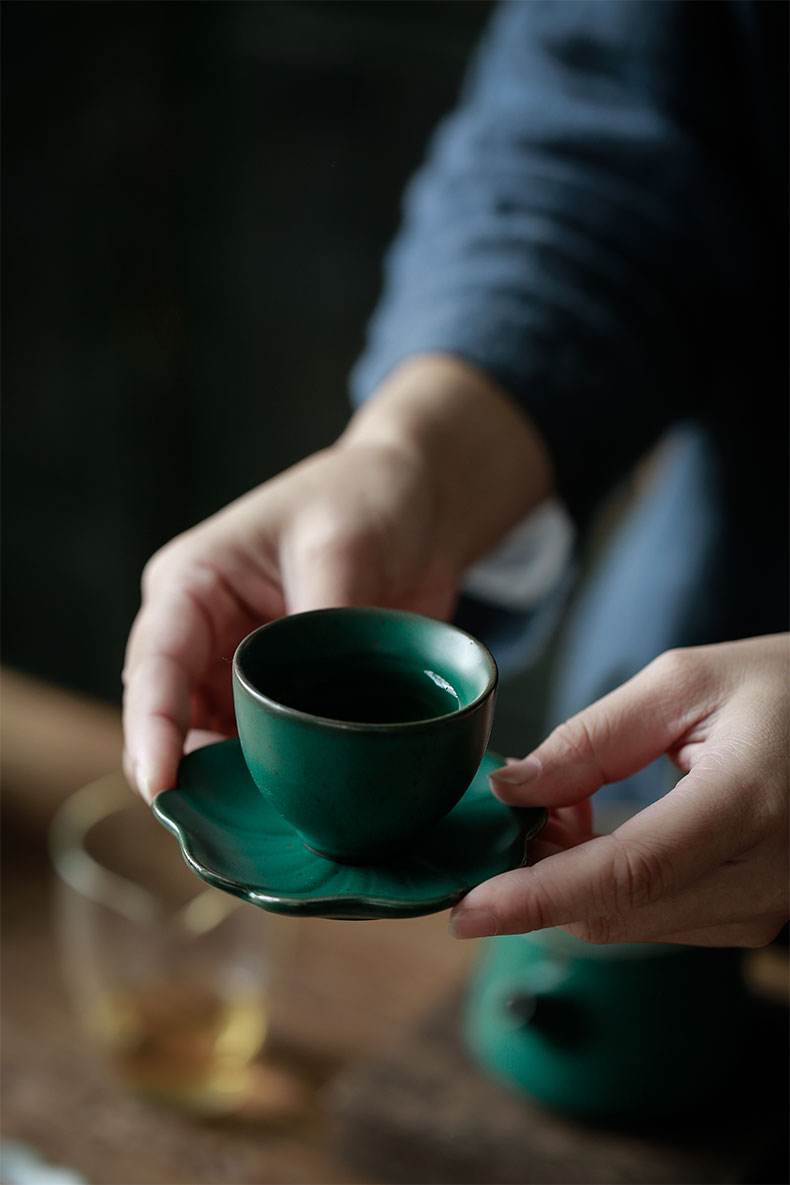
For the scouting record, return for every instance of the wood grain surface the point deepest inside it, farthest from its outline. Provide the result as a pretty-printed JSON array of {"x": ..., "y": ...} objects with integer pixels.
[
  {"x": 364, "y": 1079},
  {"x": 419, "y": 1110},
  {"x": 342, "y": 989}
]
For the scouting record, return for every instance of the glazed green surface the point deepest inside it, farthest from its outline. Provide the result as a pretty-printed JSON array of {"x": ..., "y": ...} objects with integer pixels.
[
  {"x": 233, "y": 838},
  {"x": 638, "y": 1029},
  {"x": 352, "y": 785}
]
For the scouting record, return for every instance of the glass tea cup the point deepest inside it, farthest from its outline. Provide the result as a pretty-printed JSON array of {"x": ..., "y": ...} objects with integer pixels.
[{"x": 171, "y": 979}]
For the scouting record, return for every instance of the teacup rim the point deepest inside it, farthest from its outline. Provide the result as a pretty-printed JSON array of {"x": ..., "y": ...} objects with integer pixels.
[{"x": 361, "y": 726}]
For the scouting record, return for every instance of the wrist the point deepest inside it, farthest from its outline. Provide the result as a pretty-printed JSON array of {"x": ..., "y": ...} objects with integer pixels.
[{"x": 478, "y": 454}]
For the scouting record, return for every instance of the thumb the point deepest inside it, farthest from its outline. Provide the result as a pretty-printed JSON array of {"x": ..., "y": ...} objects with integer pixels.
[
  {"x": 613, "y": 738},
  {"x": 324, "y": 565}
]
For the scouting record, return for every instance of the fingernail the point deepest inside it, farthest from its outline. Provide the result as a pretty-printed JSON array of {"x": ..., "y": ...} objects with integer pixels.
[
  {"x": 518, "y": 774},
  {"x": 474, "y": 923}
]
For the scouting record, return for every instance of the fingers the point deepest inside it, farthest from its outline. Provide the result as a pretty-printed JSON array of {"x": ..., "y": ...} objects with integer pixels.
[
  {"x": 703, "y": 822},
  {"x": 156, "y": 718},
  {"x": 613, "y": 738},
  {"x": 738, "y": 899},
  {"x": 189, "y": 620},
  {"x": 198, "y": 738},
  {"x": 755, "y": 933},
  {"x": 561, "y": 831},
  {"x": 167, "y": 651},
  {"x": 328, "y": 532},
  {"x": 578, "y": 816},
  {"x": 707, "y": 863},
  {"x": 293, "y": 544},
  {"x": 326, "y": 565},
  {"x": 718, "y": 909}
]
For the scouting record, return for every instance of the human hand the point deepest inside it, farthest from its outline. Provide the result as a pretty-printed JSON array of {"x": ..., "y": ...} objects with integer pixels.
[
  {"x": 708, "y": 863},
  {"x": 349, "y": 526},
  {"x": 428, "y": 474}
]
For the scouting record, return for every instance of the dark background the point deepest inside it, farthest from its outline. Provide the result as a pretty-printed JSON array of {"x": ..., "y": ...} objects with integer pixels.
[{"x": 196, "y": 201}]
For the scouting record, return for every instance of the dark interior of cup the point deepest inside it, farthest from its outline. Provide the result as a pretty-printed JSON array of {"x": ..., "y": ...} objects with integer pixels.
[{"x": 366, "y": 666}]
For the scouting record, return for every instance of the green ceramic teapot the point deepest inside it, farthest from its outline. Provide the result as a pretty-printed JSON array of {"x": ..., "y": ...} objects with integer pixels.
[{"x": 639, "y": 1030}]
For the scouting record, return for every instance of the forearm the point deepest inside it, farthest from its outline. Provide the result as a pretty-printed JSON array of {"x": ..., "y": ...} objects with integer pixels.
[
  {"x": 565, "y": 235},
  {"x": 483, "y": 460}
]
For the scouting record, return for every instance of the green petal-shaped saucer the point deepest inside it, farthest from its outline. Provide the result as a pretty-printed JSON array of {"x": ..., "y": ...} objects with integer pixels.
[{"x": 232, "y": 838}]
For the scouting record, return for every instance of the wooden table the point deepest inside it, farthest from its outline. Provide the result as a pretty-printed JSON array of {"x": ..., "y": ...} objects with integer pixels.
[
  {"x": 349, "y": 1065},
  {"x": 345, "y": 987}
]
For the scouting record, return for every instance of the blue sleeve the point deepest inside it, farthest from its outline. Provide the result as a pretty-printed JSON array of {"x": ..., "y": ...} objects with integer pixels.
[{"x": 581, "y": 230}]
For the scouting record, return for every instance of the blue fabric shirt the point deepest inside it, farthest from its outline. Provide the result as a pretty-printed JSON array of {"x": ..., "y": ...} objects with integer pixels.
[{"x": 601, "y": 226}]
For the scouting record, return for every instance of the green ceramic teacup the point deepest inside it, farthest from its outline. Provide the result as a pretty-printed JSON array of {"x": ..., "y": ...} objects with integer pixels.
[
  {"x": 362, "y": 727},
  {"x": 631, "y": 1029}
]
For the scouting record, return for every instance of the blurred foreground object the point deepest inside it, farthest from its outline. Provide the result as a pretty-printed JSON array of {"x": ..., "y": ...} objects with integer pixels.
[
  {"x": 639, "y": 1030},
  {"x": 168, "y": 977},
  {"x": 419, "y": 1110},
  {"x": 342, "y": 986}
]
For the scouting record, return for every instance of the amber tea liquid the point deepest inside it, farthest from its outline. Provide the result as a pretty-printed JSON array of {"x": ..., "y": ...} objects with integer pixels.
[{"x": 181, "y": 1044}]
